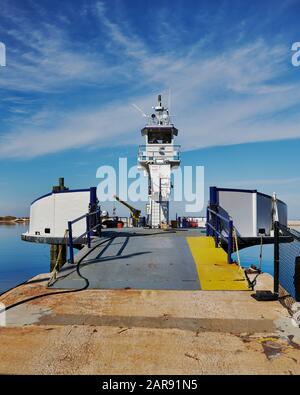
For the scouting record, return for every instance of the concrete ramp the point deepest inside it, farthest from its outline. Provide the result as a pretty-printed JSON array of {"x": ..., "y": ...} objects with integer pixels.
[{"x": 146, "y": 332}]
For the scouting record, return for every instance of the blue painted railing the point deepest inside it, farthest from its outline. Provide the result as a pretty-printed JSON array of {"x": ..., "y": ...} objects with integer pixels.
[
  {"x": 213, "y": 228},
  {"x": 71, "y": 242}
]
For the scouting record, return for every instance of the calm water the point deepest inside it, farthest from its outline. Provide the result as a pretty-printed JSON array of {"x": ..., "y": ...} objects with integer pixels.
[
  {"x": 19, "y": 260},
  {"x": 250, "y": 256}
]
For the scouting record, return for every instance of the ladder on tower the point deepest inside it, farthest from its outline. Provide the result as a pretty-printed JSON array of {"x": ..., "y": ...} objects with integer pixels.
[{"x": 155, "y": 214}]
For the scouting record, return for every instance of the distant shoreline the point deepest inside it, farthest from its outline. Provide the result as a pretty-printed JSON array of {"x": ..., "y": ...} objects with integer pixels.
[
  {"x": 9, "y": 219},
  {"x": 294, "y": 222}
]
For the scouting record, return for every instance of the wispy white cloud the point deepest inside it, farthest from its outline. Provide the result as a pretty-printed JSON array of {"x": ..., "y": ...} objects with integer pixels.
[
  {"x": 46, "y": 58},
  {"x": 233, "y": 96},
  {"x": 49, "y": 64},
  {"x": 74, "y": 131}
]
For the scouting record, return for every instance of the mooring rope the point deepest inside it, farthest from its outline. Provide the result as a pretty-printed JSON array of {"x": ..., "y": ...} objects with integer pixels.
[{"x": 53, "y": 274}]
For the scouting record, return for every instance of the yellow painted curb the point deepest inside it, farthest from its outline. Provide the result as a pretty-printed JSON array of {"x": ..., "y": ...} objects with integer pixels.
[{"x": 214, "y": 273}]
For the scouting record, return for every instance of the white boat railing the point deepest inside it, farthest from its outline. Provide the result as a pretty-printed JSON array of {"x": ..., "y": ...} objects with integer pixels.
[{"x": 154, "y": 152}]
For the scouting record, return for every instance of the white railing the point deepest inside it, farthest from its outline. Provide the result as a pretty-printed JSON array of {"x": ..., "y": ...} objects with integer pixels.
[{"x": 154, "y": 152}]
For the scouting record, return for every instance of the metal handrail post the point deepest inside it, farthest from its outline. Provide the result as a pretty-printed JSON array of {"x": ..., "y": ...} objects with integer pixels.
[
  {"x": 70, "y": 242},
  {"x": 99, "y": 222},
  {"x": 230, "y": 238},
  {"x": 276, "y": 258},
  {"x": 208, "y": 232},
  {"x": 88, "y": 230},
  {"x": 217, "y": 232}
]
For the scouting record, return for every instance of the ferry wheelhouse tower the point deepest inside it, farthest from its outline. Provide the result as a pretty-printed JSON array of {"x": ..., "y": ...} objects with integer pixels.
[{"x": 158, "y": 157}]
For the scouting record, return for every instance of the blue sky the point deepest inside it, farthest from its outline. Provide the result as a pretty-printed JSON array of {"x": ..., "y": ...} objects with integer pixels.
[{"x": 74, "y": 68}]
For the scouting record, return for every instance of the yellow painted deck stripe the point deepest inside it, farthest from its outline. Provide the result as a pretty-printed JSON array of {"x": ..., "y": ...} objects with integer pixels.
[{"x": 214, "y": 273}]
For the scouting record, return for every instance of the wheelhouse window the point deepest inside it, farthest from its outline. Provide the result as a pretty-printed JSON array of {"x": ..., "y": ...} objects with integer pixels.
[{"x": 159, "y": 138}]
